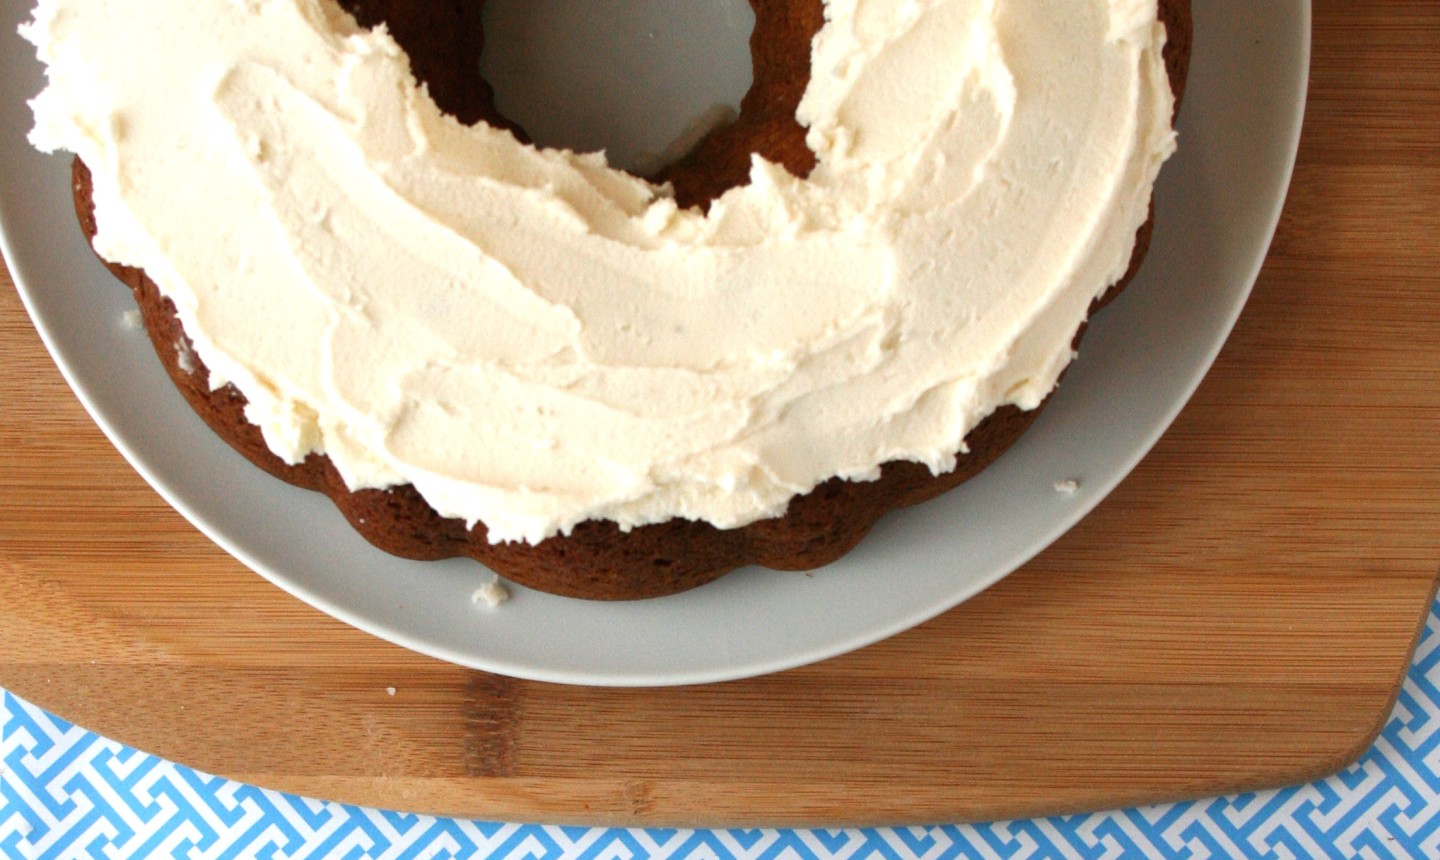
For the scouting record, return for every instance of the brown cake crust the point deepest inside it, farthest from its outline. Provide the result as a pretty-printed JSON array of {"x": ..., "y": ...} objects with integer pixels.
[{"x": 598, "y": 560}]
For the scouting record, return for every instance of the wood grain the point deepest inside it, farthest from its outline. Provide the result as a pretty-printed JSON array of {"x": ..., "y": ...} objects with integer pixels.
[{"x": 1236, "y": 615}]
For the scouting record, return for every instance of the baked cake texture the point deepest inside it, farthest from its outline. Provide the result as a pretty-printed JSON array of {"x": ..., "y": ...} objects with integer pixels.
[{"x": 599, "y": 560}]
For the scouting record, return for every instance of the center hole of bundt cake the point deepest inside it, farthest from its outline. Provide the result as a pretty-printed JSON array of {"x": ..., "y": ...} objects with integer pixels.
[{"x": 644, "y": 80}]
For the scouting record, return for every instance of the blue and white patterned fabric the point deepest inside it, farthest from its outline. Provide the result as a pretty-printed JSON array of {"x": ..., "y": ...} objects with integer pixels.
[{"x": 65, "y": 792}]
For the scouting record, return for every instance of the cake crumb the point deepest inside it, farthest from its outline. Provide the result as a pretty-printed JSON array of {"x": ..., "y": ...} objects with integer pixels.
[
  {"x": 1067, "y": 487},
  {"x": 492, "y": 593},
  {"x": 131, "y": 320},
  {"x": 390, "y": 691}
]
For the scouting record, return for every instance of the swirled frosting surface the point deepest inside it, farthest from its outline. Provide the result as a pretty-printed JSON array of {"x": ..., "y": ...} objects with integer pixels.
[{"x": 533, "y": 339}]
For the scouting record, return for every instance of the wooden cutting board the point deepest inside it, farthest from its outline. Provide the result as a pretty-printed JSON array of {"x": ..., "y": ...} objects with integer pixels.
[{"x": 1238, "y": 614}]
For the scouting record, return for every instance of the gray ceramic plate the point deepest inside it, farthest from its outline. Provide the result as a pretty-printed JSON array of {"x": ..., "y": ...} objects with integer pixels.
[{"x": 1217, "y": 204}]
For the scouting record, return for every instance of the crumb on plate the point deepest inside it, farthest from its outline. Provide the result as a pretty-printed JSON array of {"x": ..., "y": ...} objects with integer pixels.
[{"x": 492, "y": 593}]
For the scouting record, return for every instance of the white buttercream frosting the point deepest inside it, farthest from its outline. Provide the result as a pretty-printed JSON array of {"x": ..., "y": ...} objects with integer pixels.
[{"x": 533, "y": 339}]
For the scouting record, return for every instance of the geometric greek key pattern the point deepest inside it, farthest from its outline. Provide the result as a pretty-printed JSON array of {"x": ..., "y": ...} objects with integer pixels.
[{"x": 68, "y": 793}]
